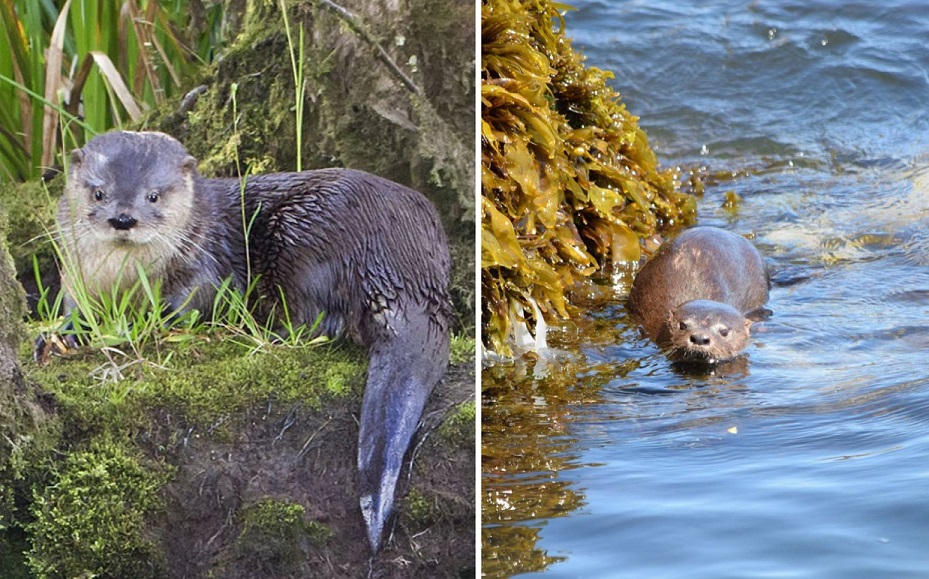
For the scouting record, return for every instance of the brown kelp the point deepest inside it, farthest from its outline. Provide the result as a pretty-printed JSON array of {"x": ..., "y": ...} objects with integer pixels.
[{"x": 568, "y": 179}]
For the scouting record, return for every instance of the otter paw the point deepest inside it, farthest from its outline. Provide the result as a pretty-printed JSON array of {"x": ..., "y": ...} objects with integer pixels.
[{"x": 48, "y": 344}]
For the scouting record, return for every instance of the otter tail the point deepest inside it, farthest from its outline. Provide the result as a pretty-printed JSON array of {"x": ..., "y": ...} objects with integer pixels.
[{"x": 402, "y": 371}]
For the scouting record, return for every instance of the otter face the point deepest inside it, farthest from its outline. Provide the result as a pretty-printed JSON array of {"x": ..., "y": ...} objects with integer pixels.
[
  {"x": 129, "y": 198},
  {"x": 706, "y": 331},
  {"x": 129, "y": 188}
]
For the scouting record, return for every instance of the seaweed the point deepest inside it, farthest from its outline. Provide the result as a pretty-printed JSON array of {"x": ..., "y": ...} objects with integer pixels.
[{"x": 569, "y": 182}]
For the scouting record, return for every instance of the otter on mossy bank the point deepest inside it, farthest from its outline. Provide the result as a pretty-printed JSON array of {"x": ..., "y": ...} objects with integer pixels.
[
  {"x": 693, "y": 294},
  {"x": 367, "y": 253}
]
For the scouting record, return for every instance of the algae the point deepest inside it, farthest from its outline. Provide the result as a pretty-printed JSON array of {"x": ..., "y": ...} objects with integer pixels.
[{"x": 569, "y": 182}]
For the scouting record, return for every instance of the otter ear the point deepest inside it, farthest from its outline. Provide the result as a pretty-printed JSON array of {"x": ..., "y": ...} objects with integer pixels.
[
  {"x": 189, "y": 164},
  {"x": 748, "y": 324},
  {"x": 77, "y": 157}
]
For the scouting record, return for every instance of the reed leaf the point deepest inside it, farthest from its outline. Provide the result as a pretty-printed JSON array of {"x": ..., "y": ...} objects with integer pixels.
[
  {"x": 53, "y": 87},
  {"x": 112, "y": 76},
  {"x": 104, "y": 61}
]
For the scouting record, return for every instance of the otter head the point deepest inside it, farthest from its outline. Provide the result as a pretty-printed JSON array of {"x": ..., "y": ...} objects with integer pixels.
[
  {"x": 705, "y": 331},
  {"x": 130, "y": 200},
  {"x": 130, "y": 189}
]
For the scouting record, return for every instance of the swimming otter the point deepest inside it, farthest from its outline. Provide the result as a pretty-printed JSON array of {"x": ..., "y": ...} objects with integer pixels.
[
  {"x": 368, "y": 253},
  {"x": 692, "y": 295}
]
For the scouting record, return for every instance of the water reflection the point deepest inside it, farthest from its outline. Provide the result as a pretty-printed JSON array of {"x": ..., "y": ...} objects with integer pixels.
[
  {"x": 527, "y": 447},
  {"x": 808, "y": 457}
]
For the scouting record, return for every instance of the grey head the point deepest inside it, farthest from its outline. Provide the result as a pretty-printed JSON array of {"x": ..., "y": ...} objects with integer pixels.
[
  {"x": 705, "y": 331},
  {"x": 131, "y": 186}
]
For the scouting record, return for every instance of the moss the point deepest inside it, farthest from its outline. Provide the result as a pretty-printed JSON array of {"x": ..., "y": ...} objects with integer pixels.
[
  {"x": 11, "y": 300},
  {"x": 91, "y": 520},
  {"x": 31, "y": 211},
  {"x": 458, "y": 427},
  {"x": 339, "y": 377},
  {"x": 461, "y": 349},
  {"x": 13, "y": 547},
  {"x": 33, "y": 441},
  {"x": 203, "y": 383},
  {"x": 275, "y": 537},
  {"x": 25, "y": 433},
  {"x": 419, "y": 509}
]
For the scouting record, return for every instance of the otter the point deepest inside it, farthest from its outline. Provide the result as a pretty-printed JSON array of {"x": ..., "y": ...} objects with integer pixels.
[
  {"x": 693, "y": 295},
  {"x": 368, "y": 254}
]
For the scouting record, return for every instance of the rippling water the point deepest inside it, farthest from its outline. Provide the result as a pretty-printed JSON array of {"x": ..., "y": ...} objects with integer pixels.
[{"x": 810, "y": 457}]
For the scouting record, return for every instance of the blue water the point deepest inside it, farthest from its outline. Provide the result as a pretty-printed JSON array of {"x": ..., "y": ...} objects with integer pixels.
[{"x": 809, "y": 458}]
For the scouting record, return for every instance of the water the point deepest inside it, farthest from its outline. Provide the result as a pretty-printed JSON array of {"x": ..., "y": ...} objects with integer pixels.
[{"x": 810, "y": 457}]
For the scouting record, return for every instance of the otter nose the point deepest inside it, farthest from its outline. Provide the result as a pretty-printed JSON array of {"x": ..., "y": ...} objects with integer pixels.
[
  {"x": 700, "y": 339},
  {"x": 123, "y": 222}
]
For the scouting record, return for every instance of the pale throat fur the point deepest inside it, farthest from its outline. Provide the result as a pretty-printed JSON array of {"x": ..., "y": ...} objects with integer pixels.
[{"x": 107, "y": 258}]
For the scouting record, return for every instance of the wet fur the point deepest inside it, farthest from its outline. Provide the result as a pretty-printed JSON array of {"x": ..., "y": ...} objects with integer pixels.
[
  {"x": 369, "y": 253},
  {"x": 707, "y": 278}
]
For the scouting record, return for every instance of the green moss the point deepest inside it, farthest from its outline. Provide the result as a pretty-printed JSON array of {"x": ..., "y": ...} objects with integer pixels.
[
  {"x": 461, "y": 349},
  {"x": 458, "y": 427},
  {"x": 13, "y": 546},
  {"x": 339, "y": 376},
  {"x": 276, "y": 537},
  {"x": 419, "y": 509},
  {"x": 24, "y": 465},
  {"x": 91, "y": 520},
  {"x": 204, "y": 382},
  {"x": 30, "y": 209},
  {"x": 11, "y": 303},
  {"x": 25, "y": 433}
]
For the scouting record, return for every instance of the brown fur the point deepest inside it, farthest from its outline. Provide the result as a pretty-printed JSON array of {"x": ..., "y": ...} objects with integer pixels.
[{"x": 691, "y": 297}]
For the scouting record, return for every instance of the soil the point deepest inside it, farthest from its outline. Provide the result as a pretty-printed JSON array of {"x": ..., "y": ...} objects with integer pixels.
[{"x": 308, "y": 457}]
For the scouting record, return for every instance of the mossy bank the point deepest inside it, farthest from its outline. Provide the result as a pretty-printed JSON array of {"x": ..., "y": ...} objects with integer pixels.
[
  {"x": 172, "y": 471},
  {"x": 206, "y": 459}
]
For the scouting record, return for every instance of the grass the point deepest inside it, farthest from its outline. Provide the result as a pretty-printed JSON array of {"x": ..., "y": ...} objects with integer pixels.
[
  {"x": 102, "y": 61},
  {"x": 130, "y": 325},
  {"x": 296, "y": 62}
]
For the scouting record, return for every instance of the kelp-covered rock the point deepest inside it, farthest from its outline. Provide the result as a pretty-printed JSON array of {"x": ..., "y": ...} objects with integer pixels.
[
  {"x": 568, "y": 179},
  {"x": 254, "y": 453}
]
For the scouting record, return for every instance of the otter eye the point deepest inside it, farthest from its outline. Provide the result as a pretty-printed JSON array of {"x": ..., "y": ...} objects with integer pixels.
[
  {"x": 724, "y": 332},
  {"x": 99, "y": 194},
  {"x": 153, "y": 196},
  {"x": 682, "y": 325}
]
